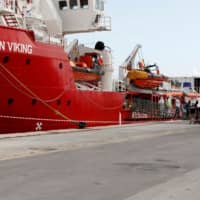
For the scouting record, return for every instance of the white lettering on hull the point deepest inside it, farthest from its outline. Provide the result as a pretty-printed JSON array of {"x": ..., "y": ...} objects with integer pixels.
[
  {"x": 16, "y": 47},
  {"x": 2, "y": 45}
]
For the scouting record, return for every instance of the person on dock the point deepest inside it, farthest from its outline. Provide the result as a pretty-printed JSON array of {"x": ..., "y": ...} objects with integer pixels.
[
  {"x": 194, "y": 113},
  {"x": 187, "y": 108},
  {"x": 177, "y": 109},
  {"x": 197, "y": 111}
]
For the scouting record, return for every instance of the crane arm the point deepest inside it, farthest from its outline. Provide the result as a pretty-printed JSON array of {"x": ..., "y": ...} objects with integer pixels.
[{"x": 131, "y": 58}]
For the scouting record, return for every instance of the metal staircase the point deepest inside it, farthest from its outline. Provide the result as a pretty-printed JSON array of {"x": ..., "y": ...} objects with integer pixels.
[{"x": 11, "y": 20}]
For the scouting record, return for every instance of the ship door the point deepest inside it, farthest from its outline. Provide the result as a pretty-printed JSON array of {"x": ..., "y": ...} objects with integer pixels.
[{"x": 197, "y": 84}]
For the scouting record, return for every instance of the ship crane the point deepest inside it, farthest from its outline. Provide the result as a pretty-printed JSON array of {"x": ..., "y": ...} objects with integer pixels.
[{"x": 129, "y": 63}]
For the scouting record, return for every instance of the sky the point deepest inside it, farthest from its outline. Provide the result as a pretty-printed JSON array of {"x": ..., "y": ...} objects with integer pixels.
[{"x": 168, "y": 30}]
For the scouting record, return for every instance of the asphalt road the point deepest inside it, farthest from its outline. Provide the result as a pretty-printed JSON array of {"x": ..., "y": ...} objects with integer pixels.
[{"x": 113, "y": 163}]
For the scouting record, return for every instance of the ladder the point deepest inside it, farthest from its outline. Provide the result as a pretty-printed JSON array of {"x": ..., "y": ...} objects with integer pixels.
[{"x": 11, "y": 20}]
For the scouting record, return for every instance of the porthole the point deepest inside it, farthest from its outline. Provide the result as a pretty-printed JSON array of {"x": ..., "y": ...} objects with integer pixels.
[
  {"x": 28, "y": 61},
  {"x": 68, "y": 102},
  {"x": 60, "y": 65},
  {"x": 5, "y": 59},
  {"x": 10, "y": 101},
  {"x": 34, "y": 101},
  {"x": 58, "y": 102}
]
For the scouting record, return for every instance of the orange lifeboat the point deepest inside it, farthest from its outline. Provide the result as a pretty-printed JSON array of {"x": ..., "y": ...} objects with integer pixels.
[
  {"x": 85, "y": 74},
  {"x": 88, "y": 67},
  {"x": 145, "y": 79}
]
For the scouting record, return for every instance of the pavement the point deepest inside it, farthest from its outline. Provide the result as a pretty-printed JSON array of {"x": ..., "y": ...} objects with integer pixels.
[
  {"x": 66, "y": 131},
  {"x": 183, "y": 186},
  {"x": 186, "y": 187},
  {"x": 22, "y": 145}
]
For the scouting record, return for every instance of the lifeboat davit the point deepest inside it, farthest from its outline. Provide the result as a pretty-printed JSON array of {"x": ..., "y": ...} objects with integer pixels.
[{"x": 144, "y": 79}]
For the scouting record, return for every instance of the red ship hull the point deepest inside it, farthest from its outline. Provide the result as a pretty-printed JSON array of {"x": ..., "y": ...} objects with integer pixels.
[{"x": 38, "y": 90}]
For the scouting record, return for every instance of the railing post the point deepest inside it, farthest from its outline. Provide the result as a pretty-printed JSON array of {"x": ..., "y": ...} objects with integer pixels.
[{"x": 120, "y": 118}]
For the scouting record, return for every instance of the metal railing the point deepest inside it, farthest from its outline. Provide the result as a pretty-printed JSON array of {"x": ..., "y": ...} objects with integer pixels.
[
  {"x": 11, "y": 6},
  {"x": 103, "y": 23},
  {"x": 144, "y": 108}
]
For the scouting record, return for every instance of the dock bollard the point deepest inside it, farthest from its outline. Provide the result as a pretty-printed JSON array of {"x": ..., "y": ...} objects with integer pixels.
[{"x": 82, "y": 125}]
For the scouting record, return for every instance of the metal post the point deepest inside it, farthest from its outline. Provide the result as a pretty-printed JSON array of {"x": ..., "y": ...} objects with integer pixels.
[{"x": 120, "y": 118}]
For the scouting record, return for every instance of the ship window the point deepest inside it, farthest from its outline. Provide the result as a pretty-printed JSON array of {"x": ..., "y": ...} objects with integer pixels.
[
  {"x": 100, "y": 5},
  {"x": 187, "y": 84},
  {"x": 73, "y": 4},
  {"x": 84, "y": 3},
  {"x": 63, "y": 5}
]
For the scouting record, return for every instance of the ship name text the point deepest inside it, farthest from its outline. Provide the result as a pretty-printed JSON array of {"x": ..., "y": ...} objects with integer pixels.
[{"x": 16, "y": 47}]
